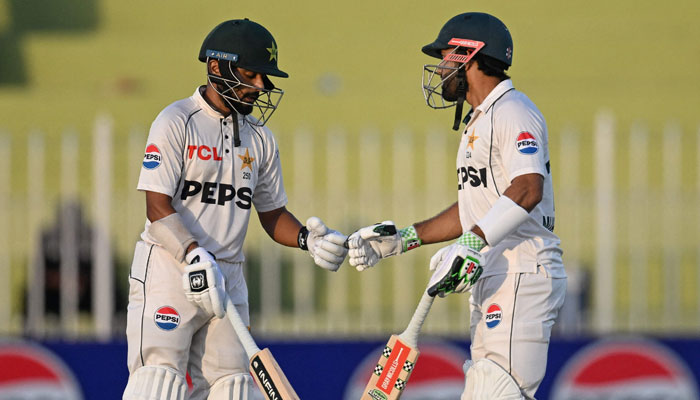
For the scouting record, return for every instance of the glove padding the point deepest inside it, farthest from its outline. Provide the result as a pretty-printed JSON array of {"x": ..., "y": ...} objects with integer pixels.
[
  {"x": 326, "y": 246},
  {"x": 372, "y": 243},
  {"x": 204, "y": 283},
  {"x": 457, "y": 268}
]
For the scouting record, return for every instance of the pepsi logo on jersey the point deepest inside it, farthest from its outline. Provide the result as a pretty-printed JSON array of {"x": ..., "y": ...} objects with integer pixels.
[
  {"x": 493, "y": 316},
  {"x": 526, "y": 143},
  {"x": 167, "y": 318},
  {"x": 152, "y": 158},
  {"x": 217, "y": 193},
  {"x": 475, "y": 177}
]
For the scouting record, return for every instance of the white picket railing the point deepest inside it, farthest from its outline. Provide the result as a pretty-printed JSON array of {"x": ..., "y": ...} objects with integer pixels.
[
  {"x": 626, "y": 201},
  {"x": 605, "y": 223}
]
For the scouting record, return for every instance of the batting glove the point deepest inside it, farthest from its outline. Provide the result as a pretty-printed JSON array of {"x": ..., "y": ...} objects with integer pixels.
[
  {"x": 372, "y": 243},
  {"x": 204, "y": 283},
  {"x": 457, "y": 266},
  {"x": 325, "y": 245}
]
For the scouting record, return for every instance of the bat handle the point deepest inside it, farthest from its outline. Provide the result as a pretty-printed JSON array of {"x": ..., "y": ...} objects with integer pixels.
[
  {"x": 410, "y": 335},
  {"x": 241, "y": 329}
]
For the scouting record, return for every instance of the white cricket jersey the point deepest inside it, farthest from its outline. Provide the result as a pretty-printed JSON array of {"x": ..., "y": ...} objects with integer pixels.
[
  {"x": 507, "y": 137},
  {"x": 190, "y": 156}
]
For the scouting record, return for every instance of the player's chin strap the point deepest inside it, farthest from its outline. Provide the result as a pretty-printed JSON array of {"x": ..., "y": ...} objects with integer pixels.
[
  {"x": 236, "y": 133},
  {"x": 461, "y": 95}
]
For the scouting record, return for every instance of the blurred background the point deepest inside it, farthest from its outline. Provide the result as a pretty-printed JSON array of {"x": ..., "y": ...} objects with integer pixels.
[{"x": 81, "y": 81}]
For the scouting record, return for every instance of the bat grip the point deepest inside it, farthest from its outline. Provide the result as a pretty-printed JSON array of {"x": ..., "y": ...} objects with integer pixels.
[
  {"x": 241, "y": 329},
  {"x": 410, "y": 335}
]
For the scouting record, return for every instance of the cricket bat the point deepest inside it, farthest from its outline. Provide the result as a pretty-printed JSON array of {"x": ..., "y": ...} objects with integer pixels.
[
  {"x": 398, "y": 358},
  {"x": 267, "y": 373}
]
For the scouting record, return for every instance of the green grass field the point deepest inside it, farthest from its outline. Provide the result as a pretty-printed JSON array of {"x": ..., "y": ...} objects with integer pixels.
[{"x": 352, "y": 64}]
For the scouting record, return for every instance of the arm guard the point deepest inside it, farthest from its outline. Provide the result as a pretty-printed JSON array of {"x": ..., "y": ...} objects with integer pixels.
[
  {"x": 171, "y": 233},
  {"x": 502, "y": 219}
]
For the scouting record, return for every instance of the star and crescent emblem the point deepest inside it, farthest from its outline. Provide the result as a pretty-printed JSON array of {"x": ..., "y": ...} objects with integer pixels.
[
  {"x": 273, "y": 52},
  {"x": 247, "y": 160},
  {"x": 472, "y": 138}
]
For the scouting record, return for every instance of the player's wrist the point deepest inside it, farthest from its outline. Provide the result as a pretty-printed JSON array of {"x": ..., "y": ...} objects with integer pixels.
[
  {"x": 191, "y": 247},
  {"x": 471, "y": 240},
  {"x": 409, "y": 239},
  {"x": 170, "y": 233},
  {"x": 303, "y": 238},
  {"x": 199, "y": 254}
]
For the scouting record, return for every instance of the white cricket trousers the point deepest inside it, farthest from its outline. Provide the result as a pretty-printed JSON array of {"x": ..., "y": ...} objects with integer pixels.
[
  {"x": 518, "y": 338},
  {"x": 163, "y": 328}
]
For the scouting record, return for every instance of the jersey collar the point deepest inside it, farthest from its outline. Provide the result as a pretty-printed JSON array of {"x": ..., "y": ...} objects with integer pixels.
[
  {"x": 199, "y": 99},
  {"x": 495, "y": 94}
]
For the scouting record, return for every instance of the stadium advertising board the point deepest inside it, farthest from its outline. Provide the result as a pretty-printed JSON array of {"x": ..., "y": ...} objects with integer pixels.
[{"x": 577, "y": 369}]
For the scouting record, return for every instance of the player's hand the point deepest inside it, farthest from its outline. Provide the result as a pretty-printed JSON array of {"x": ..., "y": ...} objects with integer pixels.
[
  {"x": 457, "y": 267},
  {"x": 372, "y": 243},
  {"x": 325, "y": 245},
  {"x": 204, "y": 283}
]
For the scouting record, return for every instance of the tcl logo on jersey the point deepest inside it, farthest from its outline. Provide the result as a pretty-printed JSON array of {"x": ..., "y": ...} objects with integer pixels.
[
  {"x": 475, "y": 177},
  {"x": 203, "y": 153},
  {"x": 217, "y": 193},
  {"x": 152, "y": 158},
  {"x": 167, "y": 318},
  {"x": 493, "y": 315},
  {"x": 526, "y": 143}
]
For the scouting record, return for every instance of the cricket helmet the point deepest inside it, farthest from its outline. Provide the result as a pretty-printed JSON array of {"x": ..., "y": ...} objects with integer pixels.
[
  {"x": 242, "y": 43},
  {"x": 475, "y": 26},
  {"x": 466, "y": 34},
  {"x": 246, "y": 44}
]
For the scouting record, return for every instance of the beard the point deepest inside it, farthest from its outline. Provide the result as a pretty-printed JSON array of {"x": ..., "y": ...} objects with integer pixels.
[
  {"x": 244, "y": 106},
  {"x": 240, "y": 108},
  {"x": 449, "y": 88}
]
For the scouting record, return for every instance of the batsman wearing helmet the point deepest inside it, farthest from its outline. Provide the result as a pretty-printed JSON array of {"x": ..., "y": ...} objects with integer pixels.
[
  {"x": 209, "y": 160},
  {"x": 505, "y": 252}
]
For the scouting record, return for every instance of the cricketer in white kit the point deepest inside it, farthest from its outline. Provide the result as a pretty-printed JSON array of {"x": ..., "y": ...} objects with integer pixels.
[
  {"x": 208, "y": 162},
  {"x": 506, "y": 253}
]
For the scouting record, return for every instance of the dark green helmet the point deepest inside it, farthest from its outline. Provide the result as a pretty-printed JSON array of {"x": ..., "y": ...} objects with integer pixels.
[
  {"x": 475, "y": 26},
  {"x": 246, "y": 44}
]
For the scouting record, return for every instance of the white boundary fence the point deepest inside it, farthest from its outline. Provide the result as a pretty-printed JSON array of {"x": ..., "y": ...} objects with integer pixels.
[{"x": 627, "y": 211}]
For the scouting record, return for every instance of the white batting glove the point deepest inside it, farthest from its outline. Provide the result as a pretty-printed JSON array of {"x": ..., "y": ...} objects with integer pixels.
[
  {"x": 457, "y": 266},
  {"x": 204, "y": 283},
  {"x": 325, "y": 245},
  {"x": 372, "y": 243}
]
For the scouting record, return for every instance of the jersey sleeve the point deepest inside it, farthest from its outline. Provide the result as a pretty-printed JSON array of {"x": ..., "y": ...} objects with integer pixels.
[
  {"x": 521, "y": 133},
  {"x": 269, "y": 193},
  {"x": 163, "y": 159}
]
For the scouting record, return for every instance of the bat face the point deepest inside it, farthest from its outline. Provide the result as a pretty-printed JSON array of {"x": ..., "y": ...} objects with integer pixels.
[
  {"x": 392, "y": 371},
  {"x": 270, "y": 378}
]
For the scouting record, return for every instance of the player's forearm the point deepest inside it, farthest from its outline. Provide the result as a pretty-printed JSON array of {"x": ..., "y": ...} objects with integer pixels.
[
  {"x": 281, "y": 225},
  {"x": 511, "y": 209},
  {"x": 526, "y": 191},
  {"x": 440, "y": 228},
  {"x": 159, "y": 206}
]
